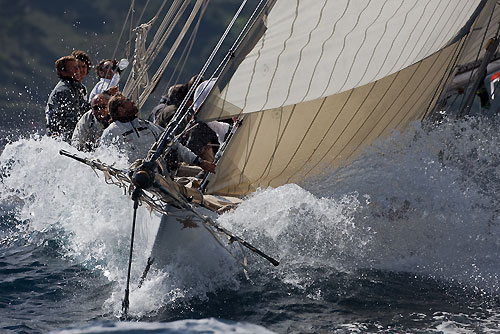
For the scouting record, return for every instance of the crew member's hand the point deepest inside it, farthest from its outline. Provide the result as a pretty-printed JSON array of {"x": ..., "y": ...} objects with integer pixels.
[
  {"x": 112, "y": 90},
  {"x": 208, "y": 166}
]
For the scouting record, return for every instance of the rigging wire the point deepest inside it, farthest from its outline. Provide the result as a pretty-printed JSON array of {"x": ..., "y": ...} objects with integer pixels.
[
  {"x": 131, "y": 25},
  {"x": 188, "y": 47},
  {"x": 452, "y": 66},
  {"x": 123, "y": 29},
  {"x": 222, "y": 65},
  {"x": 142, "y": 13},
  {"x": 166, "y": 137},
  {"x": 158, "y": 41},
  {"x": 131, "y": 83},
  {"x": 157, "y": 76},
  {"x": 481, "y": 74}
]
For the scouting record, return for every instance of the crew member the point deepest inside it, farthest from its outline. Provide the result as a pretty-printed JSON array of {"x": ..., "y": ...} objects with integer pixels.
[{"x": 66, "y": 103}]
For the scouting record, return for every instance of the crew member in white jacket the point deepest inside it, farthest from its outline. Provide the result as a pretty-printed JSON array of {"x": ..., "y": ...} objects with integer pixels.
[
  {"x": 135, "y": 136},
  {"x": 108, "y": 72}
]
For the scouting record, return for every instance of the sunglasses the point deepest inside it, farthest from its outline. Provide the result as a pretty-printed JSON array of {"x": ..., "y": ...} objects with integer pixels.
[{"x": 99, "y": 106}]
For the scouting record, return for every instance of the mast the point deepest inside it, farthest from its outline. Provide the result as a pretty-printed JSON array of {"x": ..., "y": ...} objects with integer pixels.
[{"x": 180, "y": 118}]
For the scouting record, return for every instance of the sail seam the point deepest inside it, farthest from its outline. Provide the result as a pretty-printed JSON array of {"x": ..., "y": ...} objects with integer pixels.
[
  {"x": 302, "y": 50},
  {"x": 323, "y": 51},
  {"x": 329, "y": 150},
  {"x": 342, "y": 50},
  {"x": 436, "y": 74},
  {"x": 457, "y": 20},
  {"x": 451, "y": 65},
  {"x": 407, "y": 40},
  {"x": 269, "y": 164},
  {"x": 433, "y": 28},
  {"x": 361, "y": 46},
  {"x": 259, "y": 52},
  {"x": 331, "y": 125},
  {"x": 383, "y": 115},
  {"x": 397, "y": 113},
  {"x": 301, "y": 141},
  {"x": 376, "y": 47},
  {"x": 422, "y": 34},
  {"x": 392, "y": 45},
  {"x": 352, "y": 118},
  {"x": 281, "y": 53},
  {"x": 250, "y": 149}
]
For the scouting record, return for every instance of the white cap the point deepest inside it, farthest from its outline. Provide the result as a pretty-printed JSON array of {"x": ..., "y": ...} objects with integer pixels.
[{"x": 201, "y": 92}]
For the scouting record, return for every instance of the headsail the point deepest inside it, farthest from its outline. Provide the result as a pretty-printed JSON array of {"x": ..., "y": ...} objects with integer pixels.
[{"x": 327, "y": 78}]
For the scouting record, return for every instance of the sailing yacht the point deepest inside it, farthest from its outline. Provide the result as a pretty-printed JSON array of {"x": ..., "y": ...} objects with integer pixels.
[{"x": 313, "y": 83}]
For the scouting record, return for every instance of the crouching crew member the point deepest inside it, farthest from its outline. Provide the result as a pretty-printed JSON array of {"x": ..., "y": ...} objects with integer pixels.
[
  {"x": 91, "y": 125},
  {"x": 135, "y": 136}
]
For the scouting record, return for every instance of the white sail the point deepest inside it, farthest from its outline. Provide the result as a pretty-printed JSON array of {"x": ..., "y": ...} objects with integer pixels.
[{"x": 327, "y": 78}]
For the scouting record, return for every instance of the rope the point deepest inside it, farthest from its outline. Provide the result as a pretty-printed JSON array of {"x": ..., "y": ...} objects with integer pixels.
[
  {"x": 235, "y": 46},
  {"x": 168, "y": 18},
  {"x": 451, "y": 65},
  {"x": 153, "y": 50},
  {"x": 142, "y": 13},
  {"x": 155, "y": 46},
  {"x": 131, "y": 25},
  {"x": 123, "y": 28},
  {"x": 188, "y": 47},
  {"x": 167, "y": 135},
  {"x": 157, "y": 76}
]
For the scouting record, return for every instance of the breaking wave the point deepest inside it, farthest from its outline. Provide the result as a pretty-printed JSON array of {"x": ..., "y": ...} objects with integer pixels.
[{"x": 424, "y": 201}]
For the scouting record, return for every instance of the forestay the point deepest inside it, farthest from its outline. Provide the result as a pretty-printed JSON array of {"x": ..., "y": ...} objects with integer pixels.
[{"x": 327, "y": 78}]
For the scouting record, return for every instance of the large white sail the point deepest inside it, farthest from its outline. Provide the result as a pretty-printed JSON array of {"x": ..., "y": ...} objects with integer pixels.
[{"x": 327, "y": 78}]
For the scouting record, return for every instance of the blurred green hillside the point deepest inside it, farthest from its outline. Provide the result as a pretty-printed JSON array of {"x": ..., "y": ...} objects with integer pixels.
[{"x": 33, "y": 34}]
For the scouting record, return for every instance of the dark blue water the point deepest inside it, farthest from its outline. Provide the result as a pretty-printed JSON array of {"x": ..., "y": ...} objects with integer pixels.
[{"x": 403, "y": 240}]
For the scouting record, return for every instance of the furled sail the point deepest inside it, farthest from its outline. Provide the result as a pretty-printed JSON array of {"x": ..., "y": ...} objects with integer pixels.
[{"x": 327, "y": 78}]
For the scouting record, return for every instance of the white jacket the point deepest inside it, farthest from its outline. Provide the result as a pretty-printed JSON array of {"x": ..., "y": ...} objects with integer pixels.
[
  {"x": 104, "y": 84},
  {"x": 136, "y": 137},
  {"x": 87, "y": 132}
]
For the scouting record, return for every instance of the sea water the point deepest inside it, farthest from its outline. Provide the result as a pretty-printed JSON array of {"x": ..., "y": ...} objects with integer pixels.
[{"x": 405, "y": 239}]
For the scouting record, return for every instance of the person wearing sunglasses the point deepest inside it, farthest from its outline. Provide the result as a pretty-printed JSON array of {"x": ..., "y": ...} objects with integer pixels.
[{"x": 91, "y": 125}]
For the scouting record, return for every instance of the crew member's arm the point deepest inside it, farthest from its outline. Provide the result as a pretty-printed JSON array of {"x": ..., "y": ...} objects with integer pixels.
[{"x": 188, "y": 156}]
